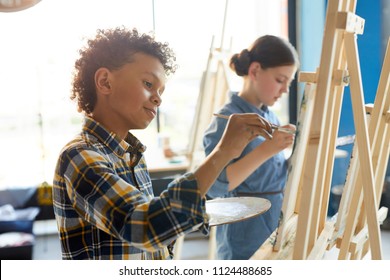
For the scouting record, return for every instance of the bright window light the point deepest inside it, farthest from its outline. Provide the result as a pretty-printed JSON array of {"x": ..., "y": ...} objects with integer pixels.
[{"x": 39, "y": 47}]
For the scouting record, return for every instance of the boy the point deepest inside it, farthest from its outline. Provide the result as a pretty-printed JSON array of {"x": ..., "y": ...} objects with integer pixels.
[{"x": 103, "y": 198}]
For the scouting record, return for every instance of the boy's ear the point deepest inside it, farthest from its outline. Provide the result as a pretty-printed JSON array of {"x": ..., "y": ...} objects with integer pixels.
[{"x": 102, "y": 80}]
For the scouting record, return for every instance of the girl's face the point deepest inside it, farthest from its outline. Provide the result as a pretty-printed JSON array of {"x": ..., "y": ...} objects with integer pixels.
[{"x": 269, "y": 84}]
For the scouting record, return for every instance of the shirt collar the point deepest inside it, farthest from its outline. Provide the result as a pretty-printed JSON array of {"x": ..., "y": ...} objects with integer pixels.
[
  {"x": 245, "y": 106},
  {"x": 130, "y": 144}
]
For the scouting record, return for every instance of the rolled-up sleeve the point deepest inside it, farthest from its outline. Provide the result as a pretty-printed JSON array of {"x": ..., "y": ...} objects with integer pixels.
[{"x": 180, "y": 209}]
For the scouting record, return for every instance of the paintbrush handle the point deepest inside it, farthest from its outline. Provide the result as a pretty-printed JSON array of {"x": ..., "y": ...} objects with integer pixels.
[
  {"x": 273, "y": 126},
  {"x": 285, "y": 130},
  {"x": 227, "y": 117}
]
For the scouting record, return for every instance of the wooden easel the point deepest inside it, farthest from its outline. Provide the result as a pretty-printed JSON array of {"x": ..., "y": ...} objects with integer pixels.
[
  {"x": 304, "y": 231},
  {"x": 281, "y": 243},
  {"x": 355, "y": 233},
  {"x": 212, "y": 96}
]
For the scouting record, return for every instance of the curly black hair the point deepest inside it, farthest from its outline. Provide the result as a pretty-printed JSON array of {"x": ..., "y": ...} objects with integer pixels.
[{"x": 113, "y": 48}]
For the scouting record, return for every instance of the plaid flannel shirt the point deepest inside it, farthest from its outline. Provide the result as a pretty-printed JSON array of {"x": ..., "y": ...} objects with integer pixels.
[{"x": 104, "y": 203}]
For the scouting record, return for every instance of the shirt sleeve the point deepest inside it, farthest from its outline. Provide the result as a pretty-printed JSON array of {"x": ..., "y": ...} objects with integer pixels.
[
  {"x": 104, "y": 199},
  {"x": 211, "y": 138}
]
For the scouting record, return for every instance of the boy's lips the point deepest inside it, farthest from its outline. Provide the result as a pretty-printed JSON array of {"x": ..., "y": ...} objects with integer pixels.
[{"x": 152, "y": 112}]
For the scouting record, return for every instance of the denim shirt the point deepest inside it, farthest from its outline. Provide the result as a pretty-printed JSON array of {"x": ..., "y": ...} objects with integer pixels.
[{"x": 240, "y": 240}]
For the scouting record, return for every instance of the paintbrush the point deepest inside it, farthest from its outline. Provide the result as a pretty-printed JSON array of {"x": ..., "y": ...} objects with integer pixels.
[
  {"x": 282, "y": 129},
  {"x": 273, "y": 126}
]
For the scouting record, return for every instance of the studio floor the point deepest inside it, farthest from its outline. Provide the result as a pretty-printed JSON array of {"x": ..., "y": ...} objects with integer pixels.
[{"x": 195, "y": 246}]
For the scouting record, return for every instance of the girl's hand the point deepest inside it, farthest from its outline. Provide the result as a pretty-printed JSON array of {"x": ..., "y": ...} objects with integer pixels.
[{"x": 282, "y": 140}]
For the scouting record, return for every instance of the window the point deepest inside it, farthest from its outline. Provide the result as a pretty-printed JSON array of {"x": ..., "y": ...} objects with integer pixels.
[{"x": 39, "y": 47}]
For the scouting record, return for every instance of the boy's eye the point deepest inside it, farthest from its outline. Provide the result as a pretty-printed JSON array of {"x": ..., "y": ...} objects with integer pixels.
[{"x": 148, "y": 84}]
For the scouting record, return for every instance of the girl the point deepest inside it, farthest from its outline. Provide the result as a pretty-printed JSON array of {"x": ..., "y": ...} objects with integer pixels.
[{"x": 267, "y": 68}]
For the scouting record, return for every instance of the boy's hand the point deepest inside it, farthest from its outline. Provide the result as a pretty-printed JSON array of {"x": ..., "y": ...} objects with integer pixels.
[{"x": 242, "y": 129}]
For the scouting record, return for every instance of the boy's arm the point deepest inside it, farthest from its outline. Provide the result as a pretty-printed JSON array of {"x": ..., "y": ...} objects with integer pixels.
[{"x": 105, "y": 200}]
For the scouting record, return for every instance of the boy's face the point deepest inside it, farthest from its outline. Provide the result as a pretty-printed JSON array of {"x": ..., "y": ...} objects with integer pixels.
[{"x": 136, "y": 90}]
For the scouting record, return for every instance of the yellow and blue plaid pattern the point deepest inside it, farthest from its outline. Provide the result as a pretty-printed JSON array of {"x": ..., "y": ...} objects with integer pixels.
[{"x": 104, "y": 204}]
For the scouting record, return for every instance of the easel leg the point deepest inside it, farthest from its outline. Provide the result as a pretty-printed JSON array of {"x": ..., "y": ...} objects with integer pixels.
[{"x": 363, "y": 145}]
